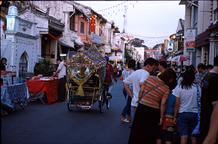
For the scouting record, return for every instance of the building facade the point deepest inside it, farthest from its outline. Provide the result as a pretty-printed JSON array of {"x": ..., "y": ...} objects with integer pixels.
[
  {"x": 20, "y": 44},
  {"x": 201, "y": 16},
  {"x": 59, "y": 26}
]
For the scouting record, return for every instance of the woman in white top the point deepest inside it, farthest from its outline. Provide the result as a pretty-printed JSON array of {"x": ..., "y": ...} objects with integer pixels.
[
  {"x": 187, "y": 106},
  {"x": 126, "y": 113},
  {"x": 136, "y": 79}
]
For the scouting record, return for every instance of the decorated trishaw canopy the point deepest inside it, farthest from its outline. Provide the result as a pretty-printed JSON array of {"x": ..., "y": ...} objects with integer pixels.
[{"x": 88, "y": 58}]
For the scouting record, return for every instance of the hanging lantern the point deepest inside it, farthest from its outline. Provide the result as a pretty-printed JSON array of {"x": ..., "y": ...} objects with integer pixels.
[{"x": 92, "y": 23}]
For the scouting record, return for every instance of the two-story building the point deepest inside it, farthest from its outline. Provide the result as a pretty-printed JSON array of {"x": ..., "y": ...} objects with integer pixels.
[
  {"x": 200, "y": 31},
  {"x": 83, "y": 26}
]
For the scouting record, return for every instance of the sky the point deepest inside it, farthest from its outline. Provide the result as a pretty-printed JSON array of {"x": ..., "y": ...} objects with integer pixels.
[{"x": 152, "y": 21}]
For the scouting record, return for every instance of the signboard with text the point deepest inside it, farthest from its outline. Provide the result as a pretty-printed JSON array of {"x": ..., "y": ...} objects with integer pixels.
[{"x": 190, "y": 40}]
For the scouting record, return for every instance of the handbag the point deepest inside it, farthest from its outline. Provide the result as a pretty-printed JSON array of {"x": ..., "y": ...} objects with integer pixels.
[
  {"x": 196, "y": 130},
  {"x": 168, "y": 124}
]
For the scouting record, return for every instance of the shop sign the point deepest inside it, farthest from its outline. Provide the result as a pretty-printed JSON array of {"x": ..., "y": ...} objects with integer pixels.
[
  {"x": 170, "y": 46},
  {"x": 190, "y": 40}
]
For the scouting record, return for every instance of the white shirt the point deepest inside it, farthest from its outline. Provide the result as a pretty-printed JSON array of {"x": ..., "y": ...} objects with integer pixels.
[
  {"x": 62, "y": 69},
  {"x": 136, "y": 78},
  {"x": 188, "y": 98},
  {"x": 126, "y": 72}
]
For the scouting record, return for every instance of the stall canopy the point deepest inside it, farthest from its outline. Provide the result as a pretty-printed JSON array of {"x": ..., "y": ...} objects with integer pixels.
[
  {"x": 66, "y": 43},
  {"x": 115, "y": 58},
  {"x": 96, "y": 39}
]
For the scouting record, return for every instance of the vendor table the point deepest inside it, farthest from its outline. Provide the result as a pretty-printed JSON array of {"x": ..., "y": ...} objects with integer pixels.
[
  {"x": 48, "y": 87},
  {"x": 14, "y": 94}
]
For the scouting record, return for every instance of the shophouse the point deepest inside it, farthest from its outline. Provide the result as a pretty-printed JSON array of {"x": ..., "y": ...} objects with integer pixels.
[
  {"x": 83, "y": 25},
  {"x": 200, "y": 31}
]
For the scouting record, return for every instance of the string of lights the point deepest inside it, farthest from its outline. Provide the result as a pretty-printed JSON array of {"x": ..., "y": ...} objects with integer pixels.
[
  {"x": 120, "y": 9},
  {"x": 116, "y": 9},
  {"x": 111, "y": 7},
  {"x": 150, "y": 37}
]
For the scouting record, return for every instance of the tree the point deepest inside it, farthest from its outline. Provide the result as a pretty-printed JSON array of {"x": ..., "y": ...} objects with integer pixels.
[{"x": 43, "y": 67}]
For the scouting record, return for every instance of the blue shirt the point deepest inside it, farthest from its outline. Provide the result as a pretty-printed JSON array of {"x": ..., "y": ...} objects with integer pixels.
[{"x": 170, "y": 104}]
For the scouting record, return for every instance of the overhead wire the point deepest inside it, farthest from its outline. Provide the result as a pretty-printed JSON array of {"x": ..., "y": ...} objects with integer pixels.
[{"x": 150, "y": 36}]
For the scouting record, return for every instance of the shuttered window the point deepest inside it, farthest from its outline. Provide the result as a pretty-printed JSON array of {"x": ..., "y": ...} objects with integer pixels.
[
  {"x": 72, "y": 23},
  {"x": 82, "y": 27}
]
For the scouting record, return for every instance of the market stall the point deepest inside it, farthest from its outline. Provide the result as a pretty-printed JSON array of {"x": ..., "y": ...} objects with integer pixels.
[
  {"x": 14, "y": 95},
  {"x": 47, "y": 87},
  {"x": 14, "y": 92}
]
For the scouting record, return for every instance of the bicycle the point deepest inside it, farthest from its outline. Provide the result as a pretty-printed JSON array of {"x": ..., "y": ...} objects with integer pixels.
[{"x": 104, "y": 99}]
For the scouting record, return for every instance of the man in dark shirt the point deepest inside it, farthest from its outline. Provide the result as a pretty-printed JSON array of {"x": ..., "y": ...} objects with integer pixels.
[
  {"x": 108, "y": 76},
  {"x": 209, "y": 107},
  {"x": 2, "y": 68},
  {"x": 3, "y": 64}
]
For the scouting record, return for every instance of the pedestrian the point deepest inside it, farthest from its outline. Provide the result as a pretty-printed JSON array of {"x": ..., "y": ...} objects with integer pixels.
[
  {"x": 201, "y": 72},
  {"x": 123, "y": 76},
  {"x": 151, "y": 107},
  {"x": 119, "y": 69},
  {"x": 138, "y": 65},
  {"x": 209, "y": 107},
  {"x": 109, "y": 76},
  {"x": 168, "y": 127},
  {"x": 115, "y": 69},
  {"x": 61, "y": 72},
  {"x": 3, "y": 64},
  {"x": 162, "y": 67},
  {"x": 136, "y": 79},
  {"x": 209, "y": 67},
  {"x": 126, "y": 112},
  {"x": 186, "y": 107}
]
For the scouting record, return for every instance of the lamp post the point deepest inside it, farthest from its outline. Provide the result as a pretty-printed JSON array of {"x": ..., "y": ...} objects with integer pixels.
[{"x": 124, "y": 51}]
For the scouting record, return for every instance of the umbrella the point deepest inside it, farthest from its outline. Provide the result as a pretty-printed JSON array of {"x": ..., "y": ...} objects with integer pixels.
[
  {"x": 175, "y": 59},
  {"x": 180, "y": 58}
]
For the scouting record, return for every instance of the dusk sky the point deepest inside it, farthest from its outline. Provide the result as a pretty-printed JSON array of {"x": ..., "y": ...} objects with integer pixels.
[{"x": 152, "y": 21}]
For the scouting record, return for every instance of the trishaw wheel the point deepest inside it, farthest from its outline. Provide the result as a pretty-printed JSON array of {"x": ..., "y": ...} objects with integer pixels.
[
  {"x": 108, "y": 103},
  {"x": 69, "y": 107},
  {"x": 100, "y": 106}
]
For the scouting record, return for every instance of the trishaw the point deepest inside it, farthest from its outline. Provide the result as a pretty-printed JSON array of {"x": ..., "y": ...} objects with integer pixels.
[{"x": 85, "y": 77}]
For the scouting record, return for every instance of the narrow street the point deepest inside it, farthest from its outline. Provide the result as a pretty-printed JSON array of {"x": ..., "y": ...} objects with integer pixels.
[
  {"x": 166, "y": 53},
  {"x": 54, "y": 124}
]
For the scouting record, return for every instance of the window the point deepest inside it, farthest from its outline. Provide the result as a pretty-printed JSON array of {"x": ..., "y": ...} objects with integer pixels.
[
  {"x": 72, "y": 23},
  {"x": 216, "y": 15},
  {"x": 195, "y": 17},
  {"x": 89, "y": 29},
  {"x": 23, "y": 65},
  {"x": 216, "y": 48},
  {"x": 82, "y": 27}
]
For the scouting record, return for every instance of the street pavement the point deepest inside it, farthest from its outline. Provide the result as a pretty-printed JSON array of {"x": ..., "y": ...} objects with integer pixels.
[{"x": 54, "y": 124}]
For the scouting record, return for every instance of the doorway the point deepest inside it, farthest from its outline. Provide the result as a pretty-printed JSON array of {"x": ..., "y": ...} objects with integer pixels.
[{"x": 23, "y": 65}]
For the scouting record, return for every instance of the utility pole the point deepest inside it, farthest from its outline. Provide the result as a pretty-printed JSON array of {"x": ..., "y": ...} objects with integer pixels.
[{"x": 124, "y": 18}]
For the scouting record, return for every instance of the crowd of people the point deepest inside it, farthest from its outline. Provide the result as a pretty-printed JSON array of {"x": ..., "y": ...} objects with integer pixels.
[{"x": 163, "y": 107}]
